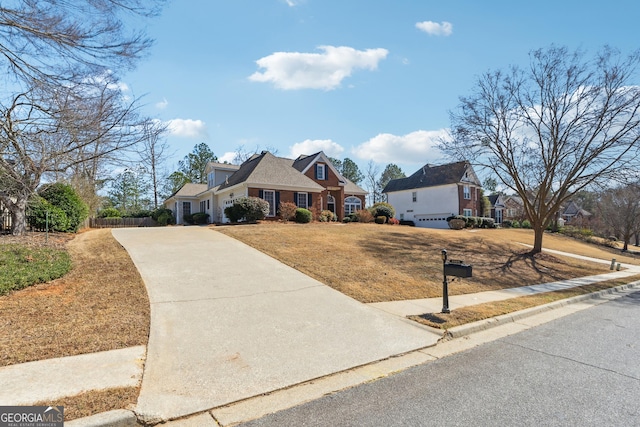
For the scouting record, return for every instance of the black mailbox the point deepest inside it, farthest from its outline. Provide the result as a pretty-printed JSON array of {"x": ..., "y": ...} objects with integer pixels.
[{"x": 457, "y": 269}]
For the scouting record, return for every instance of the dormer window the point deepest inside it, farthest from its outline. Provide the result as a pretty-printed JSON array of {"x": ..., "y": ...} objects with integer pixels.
[{"x": 321, "y": 172}]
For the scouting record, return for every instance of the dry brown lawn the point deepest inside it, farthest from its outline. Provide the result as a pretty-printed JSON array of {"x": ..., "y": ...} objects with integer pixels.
[
  {"x": 100, "y": 305},
  {"x": 373, "y": 263}
]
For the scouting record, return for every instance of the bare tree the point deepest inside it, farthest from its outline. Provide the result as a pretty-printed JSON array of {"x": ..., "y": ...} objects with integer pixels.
[
  {"x": 154, "y": 151},
  {"x": 46, "y": 131},
  {"x": 51, "y": 40},
  {"x": 371, "y": 179},
  {"x": 619, "y": 209},
  {"x": 553, "y": 129}
]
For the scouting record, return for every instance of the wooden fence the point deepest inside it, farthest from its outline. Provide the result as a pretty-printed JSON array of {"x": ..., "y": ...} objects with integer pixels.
[{"x": 122, "y": 222}]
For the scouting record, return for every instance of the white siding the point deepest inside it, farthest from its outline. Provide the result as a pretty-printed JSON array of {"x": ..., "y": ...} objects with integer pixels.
[{"x": 431, "y": 205}]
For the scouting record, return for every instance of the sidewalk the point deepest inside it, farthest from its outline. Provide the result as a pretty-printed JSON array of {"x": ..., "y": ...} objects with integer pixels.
[{"x": 229, "y": 323}]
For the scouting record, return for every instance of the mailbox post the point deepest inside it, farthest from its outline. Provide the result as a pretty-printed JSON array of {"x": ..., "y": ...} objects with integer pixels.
[
  {"x": 454, "y": 268},
  {"x": 445, "y": 286}
]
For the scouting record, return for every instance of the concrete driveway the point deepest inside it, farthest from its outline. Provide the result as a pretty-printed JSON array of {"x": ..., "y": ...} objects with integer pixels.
[{"x": 229, "y": 322}]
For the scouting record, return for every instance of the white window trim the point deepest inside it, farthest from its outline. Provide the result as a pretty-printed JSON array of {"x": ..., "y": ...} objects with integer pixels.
[
  {"x": 414, "y": 196},
  {"x": 320, "y": 172},
  {"x": 467, "y": 212},
  {"x": 466, "y": 192},
  {"x": 350, "y": 206}
]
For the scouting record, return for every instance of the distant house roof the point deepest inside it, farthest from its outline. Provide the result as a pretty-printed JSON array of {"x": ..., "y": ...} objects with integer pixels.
[
  {"x": 431, "y": 176},
  {"x": 223, "y": 166},
  {"x": 268, "y": 170},
  {"x": 573, "y": 209},
  {"x": 495, "y": 200},
  {"x": 190, "y": 190}
]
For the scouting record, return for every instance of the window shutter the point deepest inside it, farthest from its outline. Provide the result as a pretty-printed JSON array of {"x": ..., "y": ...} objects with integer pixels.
[
  {"x": 309, "y": 201},
  {"x": 326, "y": 172},
  {"x": 277, "y": 201},
  {"x": 261, "y": 194},
  {"x": 295, "y": 198},
  {"x": 317, "y": 174}
]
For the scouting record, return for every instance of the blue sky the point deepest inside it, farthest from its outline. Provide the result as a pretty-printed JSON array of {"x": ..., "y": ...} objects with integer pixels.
[{"x": 369, "y": 80}]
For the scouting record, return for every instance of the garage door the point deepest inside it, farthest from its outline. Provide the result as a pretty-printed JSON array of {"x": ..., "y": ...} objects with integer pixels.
[{"x": 432, "y": 221}]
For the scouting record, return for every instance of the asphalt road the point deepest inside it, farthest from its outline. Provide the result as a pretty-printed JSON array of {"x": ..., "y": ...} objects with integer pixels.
[{"x": 580, "y": 370}]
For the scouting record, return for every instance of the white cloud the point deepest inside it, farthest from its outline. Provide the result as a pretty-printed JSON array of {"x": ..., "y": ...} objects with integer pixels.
[
  {"x": 187, "y": 128},
  {"x": 311, "y": 146},
  {"x": 326, "y": 70},
  {"x": 417, "y": 147},
  {"x": 228, "y": 157},
  {"x": 292, "y": 3},
  {"x": 161, "y": 105},
  {"x": 435, "y": 29}
]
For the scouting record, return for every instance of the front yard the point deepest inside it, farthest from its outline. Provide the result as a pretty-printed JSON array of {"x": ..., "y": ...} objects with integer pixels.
[{"x": 374, "y": 263}]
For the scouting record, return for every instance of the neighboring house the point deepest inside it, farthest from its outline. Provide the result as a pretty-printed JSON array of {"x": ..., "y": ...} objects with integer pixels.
[
  {"x": 497, "y": 207},
  {"x": 310, "y": 182},
  {"x": 433, "y": 193},
  {"x": 513, "y": 208},
  {"x": 5, "y": 219},
  {"x": 573, "y": 214}
]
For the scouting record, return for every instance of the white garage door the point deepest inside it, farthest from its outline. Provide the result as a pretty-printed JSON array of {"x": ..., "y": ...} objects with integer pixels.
[{"x": 432, "y": 221}]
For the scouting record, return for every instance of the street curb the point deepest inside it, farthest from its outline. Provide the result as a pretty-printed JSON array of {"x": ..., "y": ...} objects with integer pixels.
[
  {"x": 115, "y": 418},
  {"x": 481, "y": 325}
]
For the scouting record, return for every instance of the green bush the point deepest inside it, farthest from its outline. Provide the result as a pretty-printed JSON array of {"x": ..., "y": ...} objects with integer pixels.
[
  {"x": 515, "y": 224},
  {"x": 56, "y": 220},
  {"x": 382, "y": 209},
  {"x": 507, "y": 223},
  {"x": 142, "y": 213},
  {"x": 64, "y": 197},
  {"x": 525, "y": 224},
  {"x": 249, "y": 209},
  {"x": 187, "y": 219},
  {"x": 201, "y": 218},
  {"x": 109, "y": 213},
  {"x": 163, "y": 216},
  {"x": 488, "y": 223},
  {"x": 381, "y": 219},
  {"x": 456, "y": 223},
  {"x": 346, "y": 219},
  {"x": 303, "y": 216}
]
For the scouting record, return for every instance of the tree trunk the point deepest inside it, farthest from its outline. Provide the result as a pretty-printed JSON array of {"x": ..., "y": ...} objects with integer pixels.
[
  {"x": 538, "y": 232},
  {"x": 18, "y": 217}
]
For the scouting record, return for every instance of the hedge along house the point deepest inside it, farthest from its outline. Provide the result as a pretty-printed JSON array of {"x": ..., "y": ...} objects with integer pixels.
[
  {"x": 433, "y": 193},
  {"x": 310, "y": 182}
]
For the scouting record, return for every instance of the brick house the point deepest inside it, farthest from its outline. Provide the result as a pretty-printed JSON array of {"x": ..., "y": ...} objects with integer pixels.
[{"x": 310, "y": 182}]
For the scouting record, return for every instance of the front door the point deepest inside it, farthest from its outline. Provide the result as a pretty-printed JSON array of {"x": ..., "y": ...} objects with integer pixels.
[{"x": 331, "y": 203}]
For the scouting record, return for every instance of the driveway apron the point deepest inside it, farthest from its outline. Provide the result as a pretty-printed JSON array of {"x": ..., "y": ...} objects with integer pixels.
[{"x": 229, "y": 322}]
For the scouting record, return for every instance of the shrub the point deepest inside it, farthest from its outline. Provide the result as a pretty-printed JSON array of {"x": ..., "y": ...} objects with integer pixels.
[
  {"x": 364, "y": 215},
  {"x": 506, "y": 223},
  {"x": 382, "y": 209},
  {"x": 456, "y": 223},
  {"x": 346, "y": 219},
  {"x": 353, "y": 217},
  {"x": 287, "y": 211},
  {"x": 43, "y": 215},
  {"x": 515, "y": 224},
  {"x": 526, "y": 224},
  {"x": 393, "y": 221},
  {"x": 303, "y": 215},
  {"x": 250, "y": 209},
  {"x": 325, "y": 216},
  {"x": 109, "y": 213},
  {"x": 201, "y": 218},
  {"x": 64, "y": 197},
  {"x": 166, "y": 218},
  {"x": 142, "y": 213},
  {"x": 381, "y": 219},
  {"x": 188, "y": 218},
  {"x": 488, "y": 223}
]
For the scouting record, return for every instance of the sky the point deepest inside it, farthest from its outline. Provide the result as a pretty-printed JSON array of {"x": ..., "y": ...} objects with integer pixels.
[{"x": 367, "y": 80}]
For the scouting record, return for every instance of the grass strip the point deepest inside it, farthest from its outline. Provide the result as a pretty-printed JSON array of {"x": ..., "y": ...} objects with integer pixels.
[
  {"x": 95, "y": 402},
  {"x": 21, "y": 266},
  {"x": 474, "y": 313}
]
